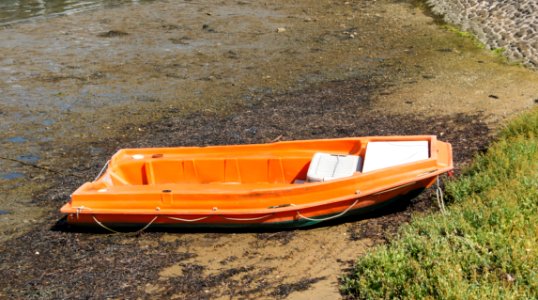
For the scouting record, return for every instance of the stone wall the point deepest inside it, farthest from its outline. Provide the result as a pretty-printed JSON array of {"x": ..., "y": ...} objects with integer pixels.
[{"x": 508, "y": 24}]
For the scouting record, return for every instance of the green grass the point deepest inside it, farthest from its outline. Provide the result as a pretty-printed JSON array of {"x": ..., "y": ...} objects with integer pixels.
[
  {"x": 486, "y": 247},
  {"x": 464, "y": 34}
]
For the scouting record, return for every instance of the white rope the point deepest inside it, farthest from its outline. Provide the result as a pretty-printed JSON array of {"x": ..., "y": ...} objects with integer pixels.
[
  {"x": 328, "y": 218},
  {"x": 102, "y": 170},
  {"x": 114, "y": 231},
  {"x": 104, "y": 226},
  {"x": 247, "y": 219},
  {"x": 146, "y": 227},
  {"x": 188, "y": 220},
  {"x": 80, "y": 209},
  {"x": 439, "y": 195}
]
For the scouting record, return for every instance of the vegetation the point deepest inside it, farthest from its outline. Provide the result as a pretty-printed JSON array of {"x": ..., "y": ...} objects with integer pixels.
[
  {"x": 464, "y": 34},
  {"x": 486, "y": 246}
]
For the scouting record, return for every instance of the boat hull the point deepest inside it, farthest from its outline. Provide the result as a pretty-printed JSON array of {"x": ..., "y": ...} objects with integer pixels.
[{"x": 276, "y": 221}]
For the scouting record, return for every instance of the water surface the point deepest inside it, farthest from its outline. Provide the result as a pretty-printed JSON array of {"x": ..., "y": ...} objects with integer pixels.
[{"x": 12, "y": 11}]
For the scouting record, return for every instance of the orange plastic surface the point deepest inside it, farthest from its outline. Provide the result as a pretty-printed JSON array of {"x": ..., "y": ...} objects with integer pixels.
[{"x": 244, "y": 182}]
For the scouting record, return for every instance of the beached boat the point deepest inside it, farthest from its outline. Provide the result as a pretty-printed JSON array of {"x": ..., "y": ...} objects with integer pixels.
[{"x": 276, "y": 185}]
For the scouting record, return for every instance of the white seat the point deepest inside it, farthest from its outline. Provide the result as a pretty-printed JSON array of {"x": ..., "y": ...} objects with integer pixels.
[
  {"x": 381, "y": 155},
  {"x": 325, "y": 166}
]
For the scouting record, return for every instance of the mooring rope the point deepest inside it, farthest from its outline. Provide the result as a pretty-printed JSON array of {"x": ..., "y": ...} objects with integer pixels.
[
  {"x": 328, "y": 218},
  {"x": 114, "y": 231},
  {"x": 440, "y": 197},
  {"x": 102, "y": 170}
]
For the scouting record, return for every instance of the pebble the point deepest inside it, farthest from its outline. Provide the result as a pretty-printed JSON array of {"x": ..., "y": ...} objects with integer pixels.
[{"x": 280, "y": 29}]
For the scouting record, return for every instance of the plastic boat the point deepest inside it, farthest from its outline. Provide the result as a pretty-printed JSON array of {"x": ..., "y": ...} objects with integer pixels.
[{"x": 275, "y": 185}]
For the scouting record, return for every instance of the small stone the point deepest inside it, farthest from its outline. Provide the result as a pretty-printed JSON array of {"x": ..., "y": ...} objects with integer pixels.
[
  {"x": 37, "y": 253},
  {"x": 280, "y": 29}
]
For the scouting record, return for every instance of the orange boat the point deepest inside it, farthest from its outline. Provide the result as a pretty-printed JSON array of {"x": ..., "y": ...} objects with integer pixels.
[{"x": 276, "y": 185}]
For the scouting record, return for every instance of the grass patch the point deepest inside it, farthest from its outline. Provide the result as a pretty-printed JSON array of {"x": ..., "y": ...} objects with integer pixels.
[
  {"x": 487, "y": 244},
  {"x": 464, "y": 34}
]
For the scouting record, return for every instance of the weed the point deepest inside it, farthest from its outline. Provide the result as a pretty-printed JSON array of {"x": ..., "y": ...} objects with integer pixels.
[
  {"x": 486, "y": 246},
  {"x": 464, "y": 34}
]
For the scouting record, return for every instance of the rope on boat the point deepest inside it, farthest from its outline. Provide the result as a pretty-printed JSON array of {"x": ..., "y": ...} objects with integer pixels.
[
  {"x": 328, "y": 218},
  {"x": 102, "y": 170},
  {"x": 114, "y": 231},
  {"x": 439, "y": 195},
  {"x": 188, "y": 220},
  {"x": 80, "y": 209},
  {"x": 227, "y": 218},
  {"x": 247, "y": 219}
]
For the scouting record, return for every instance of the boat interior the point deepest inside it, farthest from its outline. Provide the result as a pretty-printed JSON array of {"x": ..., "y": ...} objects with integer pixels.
[{"x": 271, "y": 164}]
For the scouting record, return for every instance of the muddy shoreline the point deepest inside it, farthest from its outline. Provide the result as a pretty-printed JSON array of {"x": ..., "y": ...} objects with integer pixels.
[
  {"x": 246, "y": 265},
  {"x": 79, "y": 87}
]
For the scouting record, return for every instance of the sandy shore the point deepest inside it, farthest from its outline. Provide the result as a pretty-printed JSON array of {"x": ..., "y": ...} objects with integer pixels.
[{"x": 76, "y": 88}]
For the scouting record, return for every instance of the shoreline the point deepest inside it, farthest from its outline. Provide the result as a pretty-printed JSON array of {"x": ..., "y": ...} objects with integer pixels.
[{"x": 90, "y": 94}]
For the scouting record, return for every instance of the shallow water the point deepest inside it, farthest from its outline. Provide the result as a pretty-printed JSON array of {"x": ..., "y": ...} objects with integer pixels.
[{"x": 12, "y": 11}]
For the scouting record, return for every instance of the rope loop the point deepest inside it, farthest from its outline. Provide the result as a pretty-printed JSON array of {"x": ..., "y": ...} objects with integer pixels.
[
  {"x": 247, "y": 219},
  {"x": 328, "y": 218},
  {"x": 188, "y": 220},
  {"x": 114, "y": 231}
]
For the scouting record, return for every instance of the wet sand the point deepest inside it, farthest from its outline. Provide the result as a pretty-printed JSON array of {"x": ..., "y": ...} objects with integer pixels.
[{"x": 76, "y": 88}]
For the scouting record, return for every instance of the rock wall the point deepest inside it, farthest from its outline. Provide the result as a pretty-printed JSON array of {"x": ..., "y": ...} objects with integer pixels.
[{"x": 508, "y": 24}]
